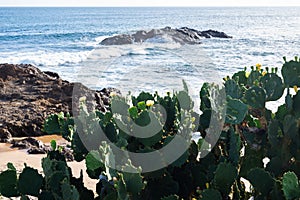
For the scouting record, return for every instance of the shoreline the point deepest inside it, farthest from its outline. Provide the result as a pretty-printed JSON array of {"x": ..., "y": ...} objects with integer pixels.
[
  {"x": 19, "y": 157},
  {"x": 30, "y": 95}
]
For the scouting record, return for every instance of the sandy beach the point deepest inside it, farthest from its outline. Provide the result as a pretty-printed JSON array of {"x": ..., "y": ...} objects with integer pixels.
[{"x": 19, "y": 157}]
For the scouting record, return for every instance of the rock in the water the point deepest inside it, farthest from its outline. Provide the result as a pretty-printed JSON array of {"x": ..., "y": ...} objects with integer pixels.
[
  {"x": 120, "y": 39},
  {"x": 27, "y": 143},
  {"x": 36, "y": 150},
  {"x": 35, "y": 146},
  {"x": 28, "y": 96},
  {"x": 182, "y": 36},
  {"x": 212, "y": 33}
]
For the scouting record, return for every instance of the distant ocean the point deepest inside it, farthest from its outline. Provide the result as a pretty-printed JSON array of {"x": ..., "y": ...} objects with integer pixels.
[{"x": 64, "y": 40}]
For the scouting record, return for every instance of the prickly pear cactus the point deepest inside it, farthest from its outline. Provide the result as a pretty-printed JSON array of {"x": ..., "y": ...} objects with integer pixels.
[
  {"x": 236, "y": 111},
  {"x": 291, "y": 73},
  {"x": 240, "y": 77},
  {"x": 233, "y": 89},
  {"x": 261, "y": 180},
  {"x": 255, "y": 97},
  {"x": 250, "y": 135},
  {"x": 209, "y": 194},
  {"x": 225, "y": 175},
  {"x": 8, "y": 183},
  {"x": 290, "y": 185},
  {"x": 273, "y": 86},
  {"x": 36, "y": 181}
]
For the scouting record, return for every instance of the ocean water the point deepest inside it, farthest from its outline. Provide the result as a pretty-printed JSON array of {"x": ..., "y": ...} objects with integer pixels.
[{"x": 66, "y": 40}]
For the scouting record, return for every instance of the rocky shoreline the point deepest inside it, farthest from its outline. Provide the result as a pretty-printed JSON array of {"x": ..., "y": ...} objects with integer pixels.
[
  {"x": 183, "y": 35},
  {"x": 28, "y": 96}
]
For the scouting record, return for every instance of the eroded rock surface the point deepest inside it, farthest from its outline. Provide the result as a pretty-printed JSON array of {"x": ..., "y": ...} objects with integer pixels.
[
  {"x": 28, "y": 96},
  {"x": 182, "y": 35}
]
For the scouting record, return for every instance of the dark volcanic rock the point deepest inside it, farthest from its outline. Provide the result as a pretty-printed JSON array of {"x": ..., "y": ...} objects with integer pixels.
[
  {"x": 36, "y": 150},
  {"x": 213, "y": 33},
  {"x": 5, "y": 135},
  {"x": 182, "y": 35},
  {"x": 28, "y": 96},
  {"x": 119, "y": 39},
  {"x": 27, "y": 143},
  {"x": 35, "y": 146}
]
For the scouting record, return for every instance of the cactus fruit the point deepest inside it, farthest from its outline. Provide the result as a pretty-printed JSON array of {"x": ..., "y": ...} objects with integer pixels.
[
  {"x": 251, "y": 133},
  {"x": 253, "y": 77}
]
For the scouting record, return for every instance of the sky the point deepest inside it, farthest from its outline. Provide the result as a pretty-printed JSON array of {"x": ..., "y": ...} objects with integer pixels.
[{"x": 129, "y": 3}]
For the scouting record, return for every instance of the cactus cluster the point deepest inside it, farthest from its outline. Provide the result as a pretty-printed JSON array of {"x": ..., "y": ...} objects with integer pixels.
[
  {"x": 250, "y": 134},
  {"x": 56, "y": 182}
]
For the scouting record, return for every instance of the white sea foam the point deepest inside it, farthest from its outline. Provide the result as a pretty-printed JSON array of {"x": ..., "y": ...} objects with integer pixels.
[
  {"x": 44, "y": 58},
  {"x": 147, "y": 67},
  {"x": 95, "y": 42}
]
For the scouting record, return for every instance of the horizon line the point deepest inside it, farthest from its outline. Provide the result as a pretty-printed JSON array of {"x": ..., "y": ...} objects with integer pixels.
[{"x": 155, "y": 6}]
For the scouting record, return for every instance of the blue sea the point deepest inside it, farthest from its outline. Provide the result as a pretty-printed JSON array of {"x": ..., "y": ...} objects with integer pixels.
[{"x": 66, "y": 40}]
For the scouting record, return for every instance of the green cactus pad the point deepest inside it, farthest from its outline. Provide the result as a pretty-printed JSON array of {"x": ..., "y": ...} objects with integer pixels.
[
  {"x": 253, "y": 77},
  {"x": 234, "y": 147},
  {"x": 261, "y": 180},
  {"x": 122, "y": 193},
  {"x": 240, "y": 77},
  {"x": 53, "y": 123},
  {"x": 296, "y": 104},
  {"x": 36, "y": 181},
  {"x": 255, "y": 97},
  {"x": 93, "y": 161},
  {"x": 273, "y": 86},
  {"x": 233, "y": 89},
  {"x": 143, "y": 96},
  {"x": 290, "y": 183},
  {"x": 225, "y": 175},
  {"x": 210, "y": 194},
  {"x": 8, "y": 183},
  {"x": 133, "y": 181},
  {"x": 69, "y": 192},
  {"x": 236, "y": 111},
  {"x": 291, "y": 73},
  {"x": 290, "y": 127}
]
